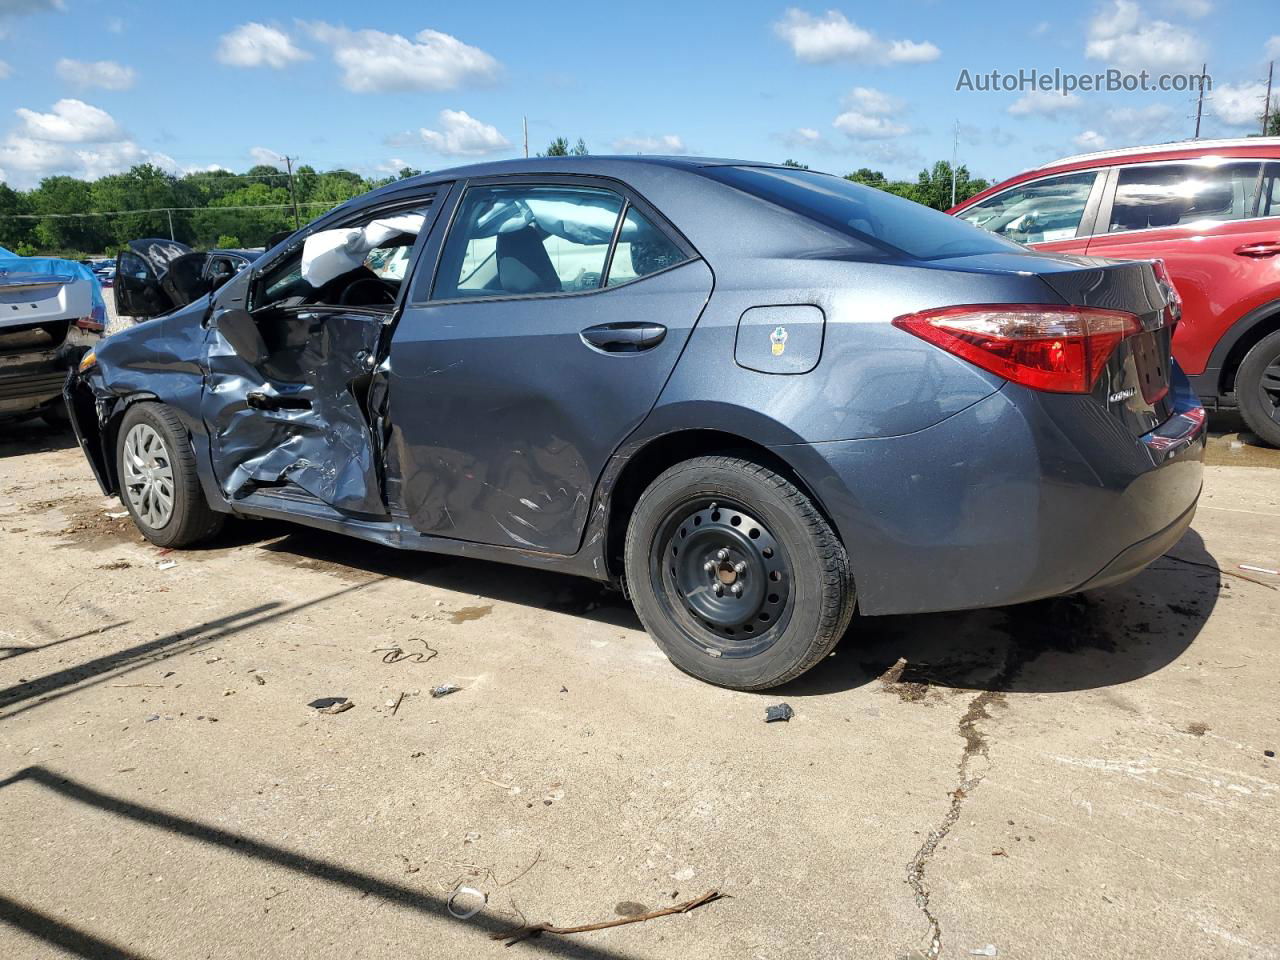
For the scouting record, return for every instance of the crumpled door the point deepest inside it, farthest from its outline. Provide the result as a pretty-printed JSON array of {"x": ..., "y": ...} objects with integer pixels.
[{"x": 295, "y": 415}]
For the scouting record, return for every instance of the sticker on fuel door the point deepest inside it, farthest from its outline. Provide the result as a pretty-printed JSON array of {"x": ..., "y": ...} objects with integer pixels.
[{"x": 778, "y": 340}]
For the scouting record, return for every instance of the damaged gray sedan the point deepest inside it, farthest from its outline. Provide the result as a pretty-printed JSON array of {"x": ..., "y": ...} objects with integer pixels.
[{"x": 754, "y": 397}]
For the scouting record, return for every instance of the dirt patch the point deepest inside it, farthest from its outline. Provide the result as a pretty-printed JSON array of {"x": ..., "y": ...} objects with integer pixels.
[
  {"x": 1197, "y": 729},
  {"x": 88, "y": 526},
  {"x": 464, "y": 614}
]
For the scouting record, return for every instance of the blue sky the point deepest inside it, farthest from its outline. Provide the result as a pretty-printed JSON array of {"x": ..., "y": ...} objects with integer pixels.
[{"x": 91, "y": 86}]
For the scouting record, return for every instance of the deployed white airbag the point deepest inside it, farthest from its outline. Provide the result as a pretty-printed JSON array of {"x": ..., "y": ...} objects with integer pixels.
[{"x": 331, "y": 253}]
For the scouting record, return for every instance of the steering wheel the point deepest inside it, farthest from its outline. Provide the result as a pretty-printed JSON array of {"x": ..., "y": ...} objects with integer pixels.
[{"x": 367, "y": 292}]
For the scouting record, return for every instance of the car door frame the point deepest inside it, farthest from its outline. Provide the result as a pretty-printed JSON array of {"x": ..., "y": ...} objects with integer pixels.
[
  {"x": 428, "y": 195},
  {"x": 432, "y": 254}
]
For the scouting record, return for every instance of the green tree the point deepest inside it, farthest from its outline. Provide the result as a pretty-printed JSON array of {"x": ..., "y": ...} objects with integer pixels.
[
  {"x": 794, "y": 163},
  {"x": 559, "y": 147}
]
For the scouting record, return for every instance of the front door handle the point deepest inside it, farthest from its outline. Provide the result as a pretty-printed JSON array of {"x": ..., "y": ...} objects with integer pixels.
[
  {"x": 624, "y": 337},
  {"x": 270, "y": 402},
  {"x": 1267, "y": 248}
]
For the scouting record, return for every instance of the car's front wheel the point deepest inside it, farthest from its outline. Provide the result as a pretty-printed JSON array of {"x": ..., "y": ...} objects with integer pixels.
[
  {"x": 736, "y": 574},
  {"x": 156, "y": 468},
  {"x": 1258, "y": 388}
]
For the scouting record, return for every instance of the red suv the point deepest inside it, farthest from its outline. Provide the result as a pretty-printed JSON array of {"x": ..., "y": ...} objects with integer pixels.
[{"x": 1211, "y": 210}]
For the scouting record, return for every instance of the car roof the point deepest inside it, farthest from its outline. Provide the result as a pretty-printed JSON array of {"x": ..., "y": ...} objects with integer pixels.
[
  {"x": 1160, "y": 151},
  {"x": 1259, "y": 147}
]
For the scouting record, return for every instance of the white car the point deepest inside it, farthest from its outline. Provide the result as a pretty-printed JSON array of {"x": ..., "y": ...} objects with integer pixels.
[{"x": 51, "y": 313}]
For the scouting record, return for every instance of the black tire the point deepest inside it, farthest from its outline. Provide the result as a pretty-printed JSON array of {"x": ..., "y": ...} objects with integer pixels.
[
  {"x": 1258, "y": 389},
  {"x": 190, "y": 519},
  {"x": 745, "y": 525}
]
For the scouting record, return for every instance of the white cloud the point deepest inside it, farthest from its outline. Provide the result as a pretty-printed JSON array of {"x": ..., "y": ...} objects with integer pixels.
[
  {"x": 6, "y": 71},
  {"x": 374, "y": 62},
  {"x": 71, "y": 121},
  {"x": 115, "y": 25},
  {"x": 1122, "y": 35},
  {"x": 834, "y": 37},
  {"x": 1044, "y": 103},
  {"x": 462, "y": 135},
  {"x": 1191, "y": 8},
  {"x": 263, "y": 155},
  {"x": 1273, "y": 46},
  {"x": 16, "y": 8},
  {"x": 1091, "y": 140},
  {"x": 1240, "y": 105},
  {"x": 868, "y": 113},
  {"x": 667, "y": 144},
  {"x": 74, "y": 138},
  {"x": 98, "y": 73},
  {"x": 1151, "y": 123},
  {"x": 258, "y": 45}
]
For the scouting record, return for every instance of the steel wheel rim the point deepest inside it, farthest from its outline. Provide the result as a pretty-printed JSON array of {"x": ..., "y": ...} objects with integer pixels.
[
  {"x": 1269, "y": 388},
  {"x": 705, "y": 549},
  {"x": 148, "y": 476}
]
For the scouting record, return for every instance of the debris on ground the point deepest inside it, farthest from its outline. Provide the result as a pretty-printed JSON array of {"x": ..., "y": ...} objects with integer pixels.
[
  {"x": 537, "y": 929},
  {"x": 988, "y": 951},
  {"x": 332, "y": 705},
  {"x": 397, "y": 653},
  {"x": 1251, "y": 567},
  {"x": 1268, "y": 753},
  {"x": 471, "y": 893},
  {"x": 444, "y": 690},
  {"x": 781, "y": 711},
  {"x": 166, "y": 564}
]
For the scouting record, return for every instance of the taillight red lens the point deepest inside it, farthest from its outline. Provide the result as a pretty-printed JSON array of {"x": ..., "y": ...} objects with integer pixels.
[
  {"x": 1045, "y": 347},
  {"x": 96, "y": 322}
]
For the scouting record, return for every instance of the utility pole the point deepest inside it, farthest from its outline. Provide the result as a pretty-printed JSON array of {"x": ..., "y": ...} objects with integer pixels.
[
  {"x": 1266, "y": 108},
  {"x": 1200, "y": 100},
  {"x": 170, "y": 213},
  {"x": 526, "y": 137},
  {"x": 955, "y": 149},
  {"x": 293, "y": 196}
]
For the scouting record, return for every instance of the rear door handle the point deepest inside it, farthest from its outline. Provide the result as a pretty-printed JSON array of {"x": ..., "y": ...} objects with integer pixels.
[
  {"x": 1267, "y": 248},
  {"x": 624, "y": 337}
]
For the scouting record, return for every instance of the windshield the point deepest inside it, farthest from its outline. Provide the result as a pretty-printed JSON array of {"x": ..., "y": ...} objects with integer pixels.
[{"x": 886, "y": 224}]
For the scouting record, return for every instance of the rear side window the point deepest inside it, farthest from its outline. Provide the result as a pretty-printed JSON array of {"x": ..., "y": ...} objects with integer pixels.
[
  {"x": 1268, "y": 202},
  {"x": 1166, "y": 195},
  {"x": 884, "y": 225},
  {"x": 642, "y": 249},
  {"x": 1038, "y": 212}
]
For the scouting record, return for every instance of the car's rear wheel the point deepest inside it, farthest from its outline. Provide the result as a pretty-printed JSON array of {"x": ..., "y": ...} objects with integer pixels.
[
  {"x": 1258, "y": 388},
  {"x": 736, "y": 574},
  {"x": 156, "y": 468}
]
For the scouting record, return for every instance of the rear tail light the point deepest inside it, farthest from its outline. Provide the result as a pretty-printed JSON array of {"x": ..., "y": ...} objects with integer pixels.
[
  {"x": 1044, "y": 347},
  {"x": 1173, "y": 300},
  {"x": 96, "y": 322}
]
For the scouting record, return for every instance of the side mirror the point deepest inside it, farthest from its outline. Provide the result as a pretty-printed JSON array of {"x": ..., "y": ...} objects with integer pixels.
[{"x": 240, "y": 330}]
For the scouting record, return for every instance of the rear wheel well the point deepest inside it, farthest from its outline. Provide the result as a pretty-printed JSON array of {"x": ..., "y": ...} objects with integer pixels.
[
  {"x": 666, "y": 451},
  {"x": 1235, "y": 356}
]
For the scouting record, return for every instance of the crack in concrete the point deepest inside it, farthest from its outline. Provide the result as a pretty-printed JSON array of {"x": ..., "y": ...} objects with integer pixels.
[{"x": 1054, "y": 623}]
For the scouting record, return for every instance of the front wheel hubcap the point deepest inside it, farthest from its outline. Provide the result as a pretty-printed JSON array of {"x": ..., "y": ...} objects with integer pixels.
[
  {"x": 148, "y": 475},
  {"x": 723, "y": 568}
]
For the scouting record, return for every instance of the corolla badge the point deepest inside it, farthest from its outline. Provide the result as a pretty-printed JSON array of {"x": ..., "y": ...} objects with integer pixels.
[
  {"x": 778, "y": 340},
  {"x": 1124, "y": 394}
]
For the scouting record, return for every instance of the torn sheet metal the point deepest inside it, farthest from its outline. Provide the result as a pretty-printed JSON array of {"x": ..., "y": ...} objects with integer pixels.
[
  {"x": 328, "y": 254},
  {"x": 297, "y": 417}
]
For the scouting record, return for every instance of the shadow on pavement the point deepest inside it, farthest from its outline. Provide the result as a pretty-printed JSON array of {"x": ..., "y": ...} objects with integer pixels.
[
  {"x": 58, "y": 933},
  {"x": 20, "y": 437},
  {"x": 1079, "y": 642}
]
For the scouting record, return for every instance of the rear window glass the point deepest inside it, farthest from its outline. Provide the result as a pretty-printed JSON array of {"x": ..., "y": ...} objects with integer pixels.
[
  {"x": 1165, "y": 195},
  {"x": 888, "y": 225}
]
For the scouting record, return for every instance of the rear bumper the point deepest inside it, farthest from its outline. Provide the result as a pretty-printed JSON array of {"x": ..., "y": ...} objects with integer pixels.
[
  {"x": 33, "y": 379},
  {"x": 1019, "y": 497}
]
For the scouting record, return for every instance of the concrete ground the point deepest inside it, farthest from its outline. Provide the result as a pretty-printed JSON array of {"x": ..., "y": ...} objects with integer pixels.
[{"x": 1081, "y": 778}]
